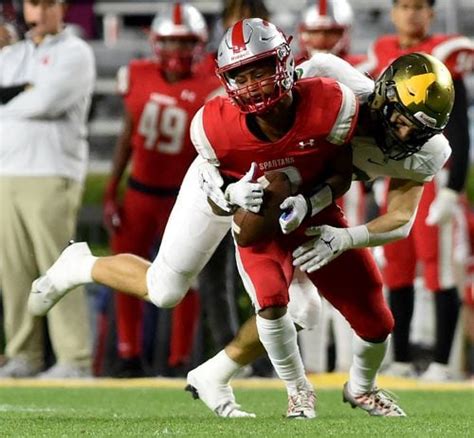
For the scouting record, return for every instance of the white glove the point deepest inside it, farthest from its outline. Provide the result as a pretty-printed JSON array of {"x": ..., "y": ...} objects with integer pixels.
[
  {"x": 210, "y": 181},
  {"x": 297, "y": 210},
  {"x": 443, "y": 207},
  {"x": 330, "y": 242},
  {"x": 244, "y": 193}
]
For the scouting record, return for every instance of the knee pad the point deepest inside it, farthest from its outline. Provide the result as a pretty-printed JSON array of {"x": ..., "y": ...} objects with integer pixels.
[
  {"x": 166, "y": 287},
  {"x": 305, "y": 303}
]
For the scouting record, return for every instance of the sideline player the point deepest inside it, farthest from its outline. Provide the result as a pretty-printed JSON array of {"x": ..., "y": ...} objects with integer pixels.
[
  {"x": 161, "y": 96},
  {"x": 431, "y": 241}
]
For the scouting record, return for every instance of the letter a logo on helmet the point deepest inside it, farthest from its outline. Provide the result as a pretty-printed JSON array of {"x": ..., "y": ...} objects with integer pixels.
[{"x": 238, "y": 41}]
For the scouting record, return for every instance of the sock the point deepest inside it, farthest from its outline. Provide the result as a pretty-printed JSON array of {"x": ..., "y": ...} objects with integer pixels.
[
  {"x": 447, "y": 312},
  {"x": 278, "y": 336},
  {"x": 222, "y": 367},
  {"x": 401, "y": 303},
  {"x": 75, "y": 271},
  {"x": 84, "y": 269},
  {"x": 366, "y": 362}
]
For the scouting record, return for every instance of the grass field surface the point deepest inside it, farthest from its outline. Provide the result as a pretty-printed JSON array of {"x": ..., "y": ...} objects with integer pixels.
[{"x": 160, "y": 407}]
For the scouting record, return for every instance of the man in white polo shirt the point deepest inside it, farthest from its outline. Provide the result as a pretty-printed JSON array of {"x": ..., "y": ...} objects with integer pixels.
[{"x": 46, "y": 82}]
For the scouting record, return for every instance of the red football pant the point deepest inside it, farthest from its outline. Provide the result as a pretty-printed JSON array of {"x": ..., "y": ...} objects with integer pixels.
[
  {"x": 430, "y": 245},
  {"x": 351, "y": 282},
  {"x": 144, "y": 219}
]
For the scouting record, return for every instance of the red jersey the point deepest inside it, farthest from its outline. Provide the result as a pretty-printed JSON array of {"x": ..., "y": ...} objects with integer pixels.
[
  {"x": 326, "y": 114},
  {"x": 455, "y": 51},
  {"x": 161, "y": 114}
]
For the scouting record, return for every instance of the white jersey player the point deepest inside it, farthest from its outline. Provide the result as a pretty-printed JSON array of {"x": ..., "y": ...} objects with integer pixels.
[{"x": 193, "y": 232}]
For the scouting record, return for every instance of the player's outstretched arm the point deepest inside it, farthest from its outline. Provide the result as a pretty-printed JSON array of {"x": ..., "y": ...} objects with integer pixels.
[{"x": 330, "y": 242}]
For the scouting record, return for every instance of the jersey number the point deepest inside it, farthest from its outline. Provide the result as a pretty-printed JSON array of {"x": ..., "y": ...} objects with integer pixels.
[{"x": 159, "y": 121}]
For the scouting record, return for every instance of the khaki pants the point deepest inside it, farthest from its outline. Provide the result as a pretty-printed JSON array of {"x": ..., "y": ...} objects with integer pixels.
[{"x": 37, "y": 219}]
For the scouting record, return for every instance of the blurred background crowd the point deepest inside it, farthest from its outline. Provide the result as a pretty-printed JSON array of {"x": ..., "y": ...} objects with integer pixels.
[{"x": 135, "y": 339}]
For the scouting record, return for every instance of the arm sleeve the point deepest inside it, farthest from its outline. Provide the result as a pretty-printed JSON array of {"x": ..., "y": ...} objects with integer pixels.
[
  {"x": 457, "y": 133},
  {"x": 71, "y": 78},
  {"x": 331, "y": 66}
]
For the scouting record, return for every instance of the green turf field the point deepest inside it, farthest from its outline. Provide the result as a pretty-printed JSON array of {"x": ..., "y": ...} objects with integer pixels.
[{"x": 132, "y": 410}]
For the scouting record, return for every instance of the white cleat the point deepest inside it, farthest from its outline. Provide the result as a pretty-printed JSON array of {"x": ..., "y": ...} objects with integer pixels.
[
  {"x": 301, "y": 405},
  {"x": 377, "y": 402},
  {"x": 59, "y": 279},
  {"x": 218, "y": 397}
]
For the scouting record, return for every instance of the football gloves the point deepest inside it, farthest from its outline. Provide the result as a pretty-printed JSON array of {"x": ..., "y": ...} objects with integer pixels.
[
  {"x": 211, "y": 182},
  {"x": 329, "y": 243},
  {"x": 245, "y": 193},
  {"x": 296, "y": 210},
  {"x": 443, "y": 207}
]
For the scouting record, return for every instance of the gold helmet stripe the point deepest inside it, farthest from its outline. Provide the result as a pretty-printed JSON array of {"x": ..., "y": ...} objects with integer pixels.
[{"x": 414, "y": 90}]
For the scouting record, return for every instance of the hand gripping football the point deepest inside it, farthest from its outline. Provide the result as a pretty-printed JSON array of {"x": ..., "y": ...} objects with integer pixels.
[{"x": 252, "y": 228}]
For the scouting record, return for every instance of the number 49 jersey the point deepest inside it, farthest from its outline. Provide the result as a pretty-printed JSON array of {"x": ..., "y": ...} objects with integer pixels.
[{"x": 161, "y": 114}]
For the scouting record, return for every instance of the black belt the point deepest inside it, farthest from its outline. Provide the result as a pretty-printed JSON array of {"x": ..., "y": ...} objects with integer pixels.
[{"x": 152, "y": 190}]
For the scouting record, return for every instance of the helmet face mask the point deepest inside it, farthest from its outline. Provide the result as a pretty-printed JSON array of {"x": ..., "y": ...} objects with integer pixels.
[
  {"x": 257, "y": 48},
  {"x": 177, "y": 37},
  {"x": 419, "y": 88},
  {"x": 177, "y": 54},
  {"x": 393, "y": 146}
]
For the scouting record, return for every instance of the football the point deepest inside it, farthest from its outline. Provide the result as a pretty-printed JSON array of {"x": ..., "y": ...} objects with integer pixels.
[{"x": 251, "y": 228}]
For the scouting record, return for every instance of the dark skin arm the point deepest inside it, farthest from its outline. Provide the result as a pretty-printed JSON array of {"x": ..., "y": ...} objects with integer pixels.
[
  {"x": 122, "y": 154},
  {"x": 123, "y": 149}
]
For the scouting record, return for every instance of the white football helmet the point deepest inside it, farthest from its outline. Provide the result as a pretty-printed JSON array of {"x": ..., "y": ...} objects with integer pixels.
[
  {"x": 326, "y": 15},
  {"x": 180, "y": 22},
  {"x": 249, "y": 41}
]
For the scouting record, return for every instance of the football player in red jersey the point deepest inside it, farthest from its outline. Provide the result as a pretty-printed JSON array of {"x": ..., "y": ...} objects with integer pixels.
[
  {"x": 431, "y": 240},
  {"x": 301, "y": 129},
  {"x": 161, "y": 96},
  {"x": 219, "y": 282},
  {"x": 325, "y": 27}
]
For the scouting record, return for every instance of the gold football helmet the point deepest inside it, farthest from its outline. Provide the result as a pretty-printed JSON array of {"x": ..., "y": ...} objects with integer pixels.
[{"x": 419, "y": 87}]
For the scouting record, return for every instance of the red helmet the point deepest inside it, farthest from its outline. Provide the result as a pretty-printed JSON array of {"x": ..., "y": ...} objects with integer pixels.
[
  {"x": 336, "y": 15},
  {"x": 179, "y": 22},
  {"x": 249, "y": 41}
]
